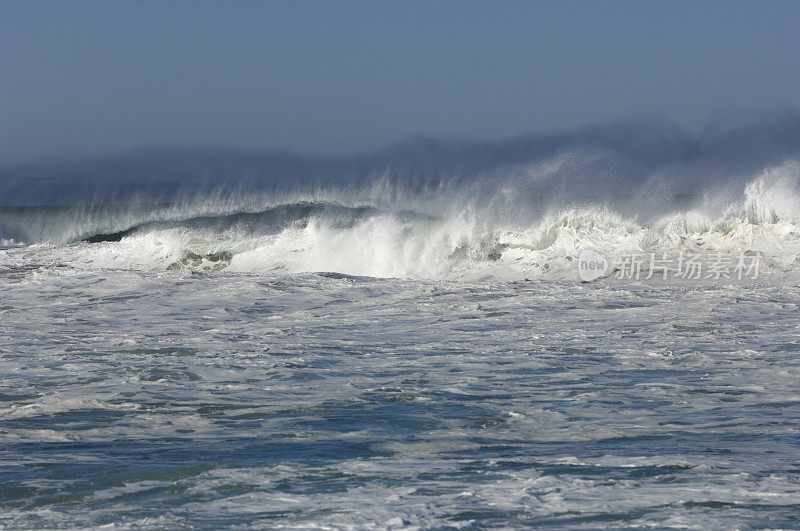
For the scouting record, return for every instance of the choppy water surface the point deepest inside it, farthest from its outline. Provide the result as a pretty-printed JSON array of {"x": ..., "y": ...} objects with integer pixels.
[
  {"x": 178, "y": 399},
  {"x": 177, "y": 357}
]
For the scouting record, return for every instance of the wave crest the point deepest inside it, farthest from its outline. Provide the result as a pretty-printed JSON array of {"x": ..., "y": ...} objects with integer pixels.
[{"x": 470, "y": 242}]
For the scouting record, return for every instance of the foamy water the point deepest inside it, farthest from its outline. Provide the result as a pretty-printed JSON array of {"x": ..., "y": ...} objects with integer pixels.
[
  {"x": 372, "y": 241},
  {"x": 364, "y": 358},
  {"x": 169, "y": 399}
]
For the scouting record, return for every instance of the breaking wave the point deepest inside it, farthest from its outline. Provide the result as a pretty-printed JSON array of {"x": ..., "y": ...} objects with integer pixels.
[
  {"x": 523, "y": 208},
  {"x": 372, "y": 240}
]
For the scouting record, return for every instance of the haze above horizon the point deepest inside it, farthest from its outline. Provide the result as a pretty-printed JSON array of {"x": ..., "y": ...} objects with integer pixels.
[{"x": 338, "y": 78}]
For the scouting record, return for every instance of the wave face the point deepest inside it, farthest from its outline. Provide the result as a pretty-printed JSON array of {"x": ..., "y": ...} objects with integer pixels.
[{"x": 520, "y": 209}]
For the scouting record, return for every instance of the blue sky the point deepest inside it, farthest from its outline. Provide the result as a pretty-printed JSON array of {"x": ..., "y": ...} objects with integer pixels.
[{"x": 342, "y": 77}]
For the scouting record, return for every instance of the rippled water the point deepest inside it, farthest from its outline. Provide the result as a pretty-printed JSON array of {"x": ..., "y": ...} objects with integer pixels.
[{"x": 177, "y": 399}]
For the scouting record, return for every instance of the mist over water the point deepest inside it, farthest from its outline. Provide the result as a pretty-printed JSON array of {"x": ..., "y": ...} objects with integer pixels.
[
  {"x": 604, "y": 164},
  {"x": 207, "y": 337},
  {"x": 522, "y": 208},
  {"x": 236, "y": 292}
]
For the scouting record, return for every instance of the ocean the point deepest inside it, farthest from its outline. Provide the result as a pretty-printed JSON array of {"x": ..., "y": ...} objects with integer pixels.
[{"x": 425, "y": 356}]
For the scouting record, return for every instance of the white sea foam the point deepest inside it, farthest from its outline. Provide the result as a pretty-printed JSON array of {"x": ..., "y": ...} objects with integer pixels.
[
  {"x": 313, "y": 400},
  {"x": 469, "y": 244}
]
